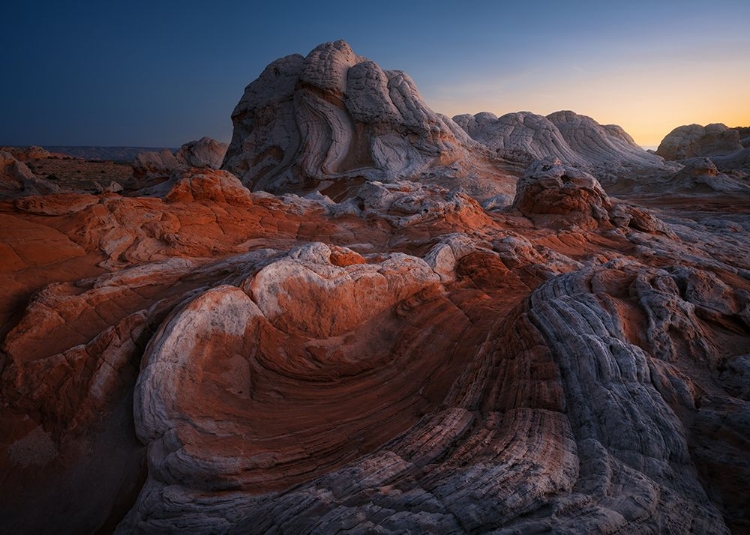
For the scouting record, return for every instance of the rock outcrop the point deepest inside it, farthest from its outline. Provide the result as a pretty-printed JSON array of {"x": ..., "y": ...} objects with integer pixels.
[
  {"x": 694, "y": 140},
  {"x": 700, "y": 174},
  {"x": 550, "y": 188},
  {"x": 24, "y": 154},
  {"x": 377, "y": 356},
  {"x": 203, "y": 153},
  {"x": 607, "y": 151},
  {"x": 17, "y": 180},
  {"x": 308, "y": 122}
]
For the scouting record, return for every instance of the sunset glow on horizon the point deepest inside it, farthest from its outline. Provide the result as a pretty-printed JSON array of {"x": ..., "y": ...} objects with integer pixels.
[{"x": 162, "y": 74}]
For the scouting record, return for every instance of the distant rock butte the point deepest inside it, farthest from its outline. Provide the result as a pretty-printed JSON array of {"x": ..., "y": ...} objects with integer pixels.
[
  {"x": 728, "y": 148},
  {"x": 381, "y": 354}
]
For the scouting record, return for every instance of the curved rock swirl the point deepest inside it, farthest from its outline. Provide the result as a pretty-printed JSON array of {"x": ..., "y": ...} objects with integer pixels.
[
  {"x": 332, "y": 115},
  {"x": 607, "y": 151},
  {"x": 543, "y": 414}
]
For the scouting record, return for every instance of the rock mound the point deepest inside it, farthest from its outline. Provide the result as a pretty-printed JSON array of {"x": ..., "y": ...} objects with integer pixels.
[
  {"x": 203, "y": 153},
  {"x": 606, "y": 150},
  {"x": 702, "y": 175},
  {"x": 549, "y": 187},
  {"x": 17, "y": 180},
  {"x": 691, "y": 141},
  {"x": 332, "y": 116}
]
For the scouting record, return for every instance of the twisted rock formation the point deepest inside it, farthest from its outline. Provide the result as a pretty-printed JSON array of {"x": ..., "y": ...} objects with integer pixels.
[
  {"x": 332, "y": 116},
  {"x": 378, "y": 356}
]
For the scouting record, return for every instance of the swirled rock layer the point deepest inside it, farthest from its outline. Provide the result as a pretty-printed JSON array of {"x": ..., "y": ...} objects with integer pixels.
[
  {"x": 333, "y": 115},
  {"x": 381, "y": 355},
  {"x": 605, "y": 150}
]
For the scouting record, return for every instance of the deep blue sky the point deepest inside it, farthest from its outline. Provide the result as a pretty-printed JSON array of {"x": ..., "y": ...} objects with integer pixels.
[{"x": 163, "y": 73}]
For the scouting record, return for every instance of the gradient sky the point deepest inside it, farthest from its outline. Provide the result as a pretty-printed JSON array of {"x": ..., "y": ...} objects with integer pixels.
[{"x": 163, "y": 73}]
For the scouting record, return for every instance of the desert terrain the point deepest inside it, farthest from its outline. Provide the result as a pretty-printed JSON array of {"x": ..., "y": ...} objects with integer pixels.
[{"x": 362, "y": 316}]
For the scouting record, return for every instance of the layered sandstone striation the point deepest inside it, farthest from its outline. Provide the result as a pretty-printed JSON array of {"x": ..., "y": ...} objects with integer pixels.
[
  {"x": 381, "y": 354},
  {"x": 309, "y": 122},
  {"x": 607, "y": 151}
]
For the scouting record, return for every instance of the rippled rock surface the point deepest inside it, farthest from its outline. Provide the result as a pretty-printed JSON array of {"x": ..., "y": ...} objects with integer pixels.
[
  {"x": 315, "y": 122},
  {"x": 386, "y": 357}
]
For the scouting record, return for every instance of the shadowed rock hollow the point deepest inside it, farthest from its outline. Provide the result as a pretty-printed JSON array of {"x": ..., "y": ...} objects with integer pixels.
[{"x": 382, "y": 355}]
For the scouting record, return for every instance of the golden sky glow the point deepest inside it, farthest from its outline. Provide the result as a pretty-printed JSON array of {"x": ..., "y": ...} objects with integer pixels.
[
  {"x": 105, "y": 74},
  {"x": 648, "y": 98}
]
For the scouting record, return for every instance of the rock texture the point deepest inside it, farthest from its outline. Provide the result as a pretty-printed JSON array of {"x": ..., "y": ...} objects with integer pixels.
[
  {"x": 605, "y": 150},
  {"x": 727, "y": 148},
  {"x": 332, "y": 116},
  {"x": 377, "y": 356},
  {"x": 694, "y": 140},
  {"x": 203, "y": 153},
  {"x": 17, "y": 180}
]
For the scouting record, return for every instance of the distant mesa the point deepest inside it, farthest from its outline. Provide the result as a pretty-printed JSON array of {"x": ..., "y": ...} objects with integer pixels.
[
  {"x": 24, "y": 154},
  {"x": 120, "y": 154}
]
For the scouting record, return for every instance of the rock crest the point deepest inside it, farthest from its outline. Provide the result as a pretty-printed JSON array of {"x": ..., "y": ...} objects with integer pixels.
[
  {"x": 607, "y": 151},
  {"x": 380, "y": 356},
  {"x": 333, "y": 116},
  {"x": 203, "y": 153}
]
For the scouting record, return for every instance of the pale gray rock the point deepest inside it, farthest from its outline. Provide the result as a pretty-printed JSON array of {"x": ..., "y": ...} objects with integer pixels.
[
  {"x": 739, "y": 160},
  {"x": 205, "y": 152},
  {"x": 333, "y": 116},
  {"x": 694, "y": 140},
  {"x": 606, "y": 151},
  {"x": 700, "y": 174}
]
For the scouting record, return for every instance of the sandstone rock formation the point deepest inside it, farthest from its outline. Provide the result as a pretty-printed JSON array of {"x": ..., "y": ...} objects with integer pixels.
[
  {"x": 203, "y": 153},
  {"x": 25, "y": 154},
  {"x": 17, "y": 180},
  {"x": 694, "y": 140},
  {"x": 377, "y": 356},
  {"x": 309, "y": 122},
  {"x": 605, "y": 150},
  {"x": 726, "y": 147},
  {"x": 702, "y": 174}
]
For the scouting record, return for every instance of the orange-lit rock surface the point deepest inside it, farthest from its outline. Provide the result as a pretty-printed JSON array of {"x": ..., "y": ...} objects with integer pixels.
[{"x": 375, "y": 357}]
